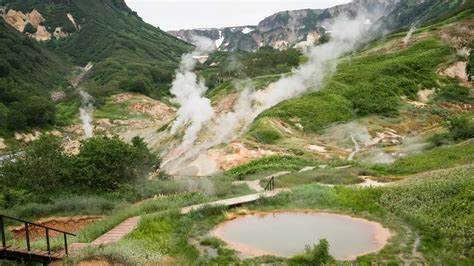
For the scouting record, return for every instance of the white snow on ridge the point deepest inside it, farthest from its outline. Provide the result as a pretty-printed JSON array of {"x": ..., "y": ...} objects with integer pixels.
[
  {"x": 247, "y": 30},
  {"x": 219, "y": 41}
]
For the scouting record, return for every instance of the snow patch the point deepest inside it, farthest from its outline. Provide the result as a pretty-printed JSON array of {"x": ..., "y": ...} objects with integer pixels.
[
  {"x": 219, "y": 41},
  {"x": 247, "y": 30}
]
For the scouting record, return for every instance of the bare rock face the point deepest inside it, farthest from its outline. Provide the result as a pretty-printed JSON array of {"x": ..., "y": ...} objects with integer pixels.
[
  {"x": 42, "y": 34},
  {"x": 19, "y": 20},
  {"x": 16, "y": 19},
  {"x": 35, "y": 18}
]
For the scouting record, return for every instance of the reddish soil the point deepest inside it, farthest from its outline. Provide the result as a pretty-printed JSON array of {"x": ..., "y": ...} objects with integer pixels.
[{"x": 68, "y": 224}]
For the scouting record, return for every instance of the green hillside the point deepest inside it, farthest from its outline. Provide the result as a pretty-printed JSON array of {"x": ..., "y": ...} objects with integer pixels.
[
  {"x": 25, "y": 102},
  {"x": 122, "y": 46}
]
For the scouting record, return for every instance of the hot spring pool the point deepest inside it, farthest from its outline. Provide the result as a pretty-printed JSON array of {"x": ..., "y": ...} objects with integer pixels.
[{"x": 286, "y": 234}]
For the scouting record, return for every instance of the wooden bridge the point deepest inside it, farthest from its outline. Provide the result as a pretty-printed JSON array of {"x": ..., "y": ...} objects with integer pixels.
[{"x": 27, "y": 254}]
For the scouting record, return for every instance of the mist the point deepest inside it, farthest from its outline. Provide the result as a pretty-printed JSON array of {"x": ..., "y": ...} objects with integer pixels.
[
  {"x": 188, "y": 91},
  {"x": 86, "y": 110},
  {"x": 407, "y": 37},
  {"x": 347, "y": 34}
]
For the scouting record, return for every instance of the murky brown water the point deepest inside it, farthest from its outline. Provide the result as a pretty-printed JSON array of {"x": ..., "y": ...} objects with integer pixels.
[{"x": 286, "y": 234}]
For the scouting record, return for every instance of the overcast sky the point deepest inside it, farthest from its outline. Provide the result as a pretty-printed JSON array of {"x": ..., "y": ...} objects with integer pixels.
[{"x": 188, "y": 14}]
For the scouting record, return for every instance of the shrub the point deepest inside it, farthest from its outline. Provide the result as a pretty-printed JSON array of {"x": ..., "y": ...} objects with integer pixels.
[
  {"x": 138, "y": 84},
  {"x": 263, "y": 132},
  {"x": 440, "y": 139},
  {"x": 38, "y": 174},
  {"x": 373, "y": 98},
  {"x": 454, "y": 93},
  {"x": 104, "y": 165},
  {"x": 470, "y": 62},
  {"x": 29, "y": 29},
  {"x": 109, "y": 164},
  {"x": 315, "y": 256},
  {"x": 461, "y": 127}
]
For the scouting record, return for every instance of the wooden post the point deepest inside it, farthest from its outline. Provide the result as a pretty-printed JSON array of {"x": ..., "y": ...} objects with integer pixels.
[
  {"x": 27, "y": 235},
  {"x": 2, "y": 224},
  {"x": 65, "y": 243},
  {"x": 47, "y": 240}
]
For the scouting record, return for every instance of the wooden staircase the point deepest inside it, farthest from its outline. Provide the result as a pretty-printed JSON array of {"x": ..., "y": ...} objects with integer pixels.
[{"x": 27, "y": 254}]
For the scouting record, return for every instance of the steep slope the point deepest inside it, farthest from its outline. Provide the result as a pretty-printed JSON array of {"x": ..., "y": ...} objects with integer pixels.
[
  {"x": 24, "y": 101},
  {"x": 110, "y": 35},
  {"x": 300, "y": 28}
]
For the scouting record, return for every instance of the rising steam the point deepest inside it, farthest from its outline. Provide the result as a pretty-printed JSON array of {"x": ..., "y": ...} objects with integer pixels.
[
  {"x": 195, "y": 110},
  {"x": 86, "y": 110},
  {"x": 407, "y": 37},
  {"x": 346, "y": 35}
]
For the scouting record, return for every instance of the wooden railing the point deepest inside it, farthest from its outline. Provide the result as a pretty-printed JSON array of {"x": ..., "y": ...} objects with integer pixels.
[
  {"x": 27, "y": 225},
  {"x": 270, "y": 185}
]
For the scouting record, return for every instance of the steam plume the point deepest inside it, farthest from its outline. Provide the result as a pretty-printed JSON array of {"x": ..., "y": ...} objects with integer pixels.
[
  {"x": 407, "y": 37},
  {"x": 86, "y": 110},
  {"x": 346, "y": 35},
  {"x": 188, "y": 90}
]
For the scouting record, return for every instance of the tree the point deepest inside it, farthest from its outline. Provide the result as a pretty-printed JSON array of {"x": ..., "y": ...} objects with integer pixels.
[
  {"x": 29, "y": 29},
  {"x": 3, "y": 116},
  {"x": 109, "y": 164},
  {"x": 42, "y": 171}
]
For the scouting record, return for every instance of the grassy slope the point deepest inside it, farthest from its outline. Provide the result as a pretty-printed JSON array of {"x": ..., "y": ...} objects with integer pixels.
[
  {"x": 121, "y": 45},
  {"x": 369, "y": 84},
  {"x": 435, "y": 206},
  {"x": 22, "y": 56},
  {"x": 437, "y": 158}
]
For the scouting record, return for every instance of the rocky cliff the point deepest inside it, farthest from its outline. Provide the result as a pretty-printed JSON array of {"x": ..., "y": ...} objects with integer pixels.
[{"x": 306, "y": 27}]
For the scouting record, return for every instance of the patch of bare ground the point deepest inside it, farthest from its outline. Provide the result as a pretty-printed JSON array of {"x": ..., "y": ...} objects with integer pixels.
[
  {"x": 237, "y": 153},
  {"x": 68, "y": 224}
]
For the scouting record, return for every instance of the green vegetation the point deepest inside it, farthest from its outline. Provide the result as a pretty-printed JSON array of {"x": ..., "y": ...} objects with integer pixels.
[
  {"x": 128, "y": 55},
  {"x": 276, "y": 162},
  {"x": 225, "y": 66},
  {"x": 461, "y": 128},
  {"x": 454, "y": 93},
  {"x": 470, "y": 62},
  {"x": 435, "y": 206},
  {"x": 325, "y": 176},
  {"x": 313, "y": 111},
  {"x": 25, "y": 103},
  {"x": 366, "y": 84},
  {"x": 104, "y": 166},
  {"x": 440, "y": 206},
  {"x": 317, "y": 255},
  {"x": 437, "y": 158},
  {"x": 263, "y": 131}
]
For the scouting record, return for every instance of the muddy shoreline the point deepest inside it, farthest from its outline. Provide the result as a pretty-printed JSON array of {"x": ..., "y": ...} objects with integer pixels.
[{"x": 380, "y": 235}]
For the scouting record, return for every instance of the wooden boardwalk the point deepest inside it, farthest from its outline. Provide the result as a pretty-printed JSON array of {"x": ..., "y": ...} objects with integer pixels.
[
  {"x": 234, "y": 201},
  {"x": 19, "y": 254},
  {"x": 116, "y": 233},
  {"x": 130, "y": 224}
]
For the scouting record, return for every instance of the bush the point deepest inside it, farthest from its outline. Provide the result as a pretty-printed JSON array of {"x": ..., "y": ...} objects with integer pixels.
[
  {"x": 109, "y": 164},
  {"x": 454, "y": 93},
  {"x": 135, "y": 85},
  {"x": 461, "y": 128},
  {"x": 441, "y": 139},
  {"x": 470, "y": 62},
  {"x": 38, "y": 174},
  {"x": 315, "y": 256},
  {"x": 105, "y": 166},
  {"x": 373, "y": 98},
  {"x": 29, "y": 29},
  {"x": 263, "y": 132}
]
